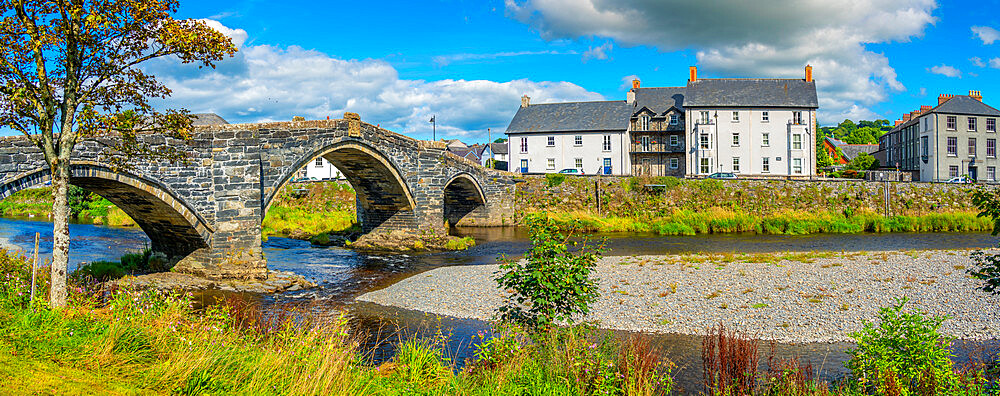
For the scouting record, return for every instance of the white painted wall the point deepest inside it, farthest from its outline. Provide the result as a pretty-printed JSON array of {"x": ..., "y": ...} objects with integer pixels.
[
  {"x": 564, "y": 152},
  {"x": 751, "y": 150},
  {"x": 320, "y": 168}
]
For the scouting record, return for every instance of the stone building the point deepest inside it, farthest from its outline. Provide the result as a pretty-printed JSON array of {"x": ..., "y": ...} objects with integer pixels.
[{"x": 656, "y": 131}]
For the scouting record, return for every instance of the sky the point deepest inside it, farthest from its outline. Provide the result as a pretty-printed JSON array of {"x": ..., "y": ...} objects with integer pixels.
[{"x": 397, "y": 63}]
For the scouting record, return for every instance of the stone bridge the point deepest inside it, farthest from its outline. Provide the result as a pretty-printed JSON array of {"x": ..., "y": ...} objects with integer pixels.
[{"x": 206, "y": 213}]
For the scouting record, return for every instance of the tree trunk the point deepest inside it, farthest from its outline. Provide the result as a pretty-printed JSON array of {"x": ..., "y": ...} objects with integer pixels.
[{"x": 60, "y": 233}]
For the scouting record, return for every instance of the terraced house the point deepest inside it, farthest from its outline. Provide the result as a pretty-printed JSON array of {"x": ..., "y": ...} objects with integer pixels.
[
  {"x": 956, "y": 137},
  {"x": 753, "y": 126}
]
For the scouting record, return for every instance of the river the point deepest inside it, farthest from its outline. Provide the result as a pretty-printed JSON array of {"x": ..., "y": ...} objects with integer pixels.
[{"x": 343, "y": 274}]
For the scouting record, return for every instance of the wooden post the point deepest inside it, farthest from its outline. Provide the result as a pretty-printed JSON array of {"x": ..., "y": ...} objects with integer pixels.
[
  {"x": 597, "y": 194},
  {"x": 34, "y": 270}
]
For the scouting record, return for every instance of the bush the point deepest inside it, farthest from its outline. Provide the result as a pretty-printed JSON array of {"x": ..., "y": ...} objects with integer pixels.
[
  {"x": 668, "y": 182},
  {"x": 554, "y": 179},
  {"x": 903, "y": 352},
  {"x": 551, "y": 284}
]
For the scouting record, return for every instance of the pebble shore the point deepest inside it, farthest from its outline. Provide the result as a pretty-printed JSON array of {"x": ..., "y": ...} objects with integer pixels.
[{"x": 794, "y": 297}]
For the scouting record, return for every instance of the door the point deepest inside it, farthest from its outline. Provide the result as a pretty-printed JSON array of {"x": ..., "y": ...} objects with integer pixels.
[
  {"x": 974, "y": 173},
  {"x": 524, "y": 166},
  {"x": 607, "y": 166},
  {"x": 645, "y": 167}
]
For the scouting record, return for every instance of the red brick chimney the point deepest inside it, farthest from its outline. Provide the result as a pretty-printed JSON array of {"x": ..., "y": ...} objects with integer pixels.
[
  {"x": 976, "y": 95},
  {"x": 693, "y": 74},
  {"x": 944, "y": 98},
  {"x": 898, "y": 122},
  {"x": 924, "y": 109},
  {"x": 635, "y": 83},
  {"x": 906, "y": 117},
  {"x": 525, "y": 101},
  {"x": 809, "y": 73}
]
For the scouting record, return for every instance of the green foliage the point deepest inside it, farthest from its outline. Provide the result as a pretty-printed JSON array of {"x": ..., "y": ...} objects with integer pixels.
[
  {"x": 554, "y": 179},
  {"x": 863, "y": 161},
  {"x": 551, "y": 284},
  {"x": 987, "y": 266},
  {"x": 130, "y": 263},
  {"x": 668, "y": 182},
  {"x": 460, "y": 243},
  {"x": 422, "y": 362},
  {"x": 823, "y": 159},
  {"x": 15, "y": 281},
  {"x": 905, "y": 350}
]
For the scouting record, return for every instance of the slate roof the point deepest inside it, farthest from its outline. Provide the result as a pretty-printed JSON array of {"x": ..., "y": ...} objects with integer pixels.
[
  {"x": 572, "y": 116},
  {"x": 751, "y": 92},
  {"x": 963, "y": 104},
  {"x": 659, "y": 100},
  {"x": 464, "y": 152},
  {"x": 499, "y": 148},
  {"x": 852, "y": 150},
  {"x": 205, "y": 119}
]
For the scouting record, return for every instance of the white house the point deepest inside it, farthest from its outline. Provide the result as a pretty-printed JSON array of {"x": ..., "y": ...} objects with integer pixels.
[
  {"x": 754, "y": 126},
  {"x": 589, "y": 136},
  {"x": 320, "y": 169}
]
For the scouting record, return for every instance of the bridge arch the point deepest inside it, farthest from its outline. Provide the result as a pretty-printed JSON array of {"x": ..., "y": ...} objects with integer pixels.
[
  {"x": 173, "y": 227},
  {"x": 382, "y": 193},
  {"x": 463, "y": 199}
]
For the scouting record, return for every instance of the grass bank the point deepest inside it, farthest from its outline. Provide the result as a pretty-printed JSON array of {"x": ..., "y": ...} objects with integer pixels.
[
  {"x": 303, "y": 211},
  {"x": 789, "y": 222},
  {"x": 85, "y": 207}
]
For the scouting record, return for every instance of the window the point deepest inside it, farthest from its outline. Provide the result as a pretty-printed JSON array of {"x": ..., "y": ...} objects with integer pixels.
[
  {"x": 765, "y": 165},
  {"x": 607, "y": 143},
  {"x": 764, "y": 117},
  {"x": 952, "y": 146},
  {"x": 796, "y": 141},
  {"x": 952, "y": 123},
  {"x": 319, "y": 162},
  {"x": 705, "y": 165},
  {"x": 972, "y": 147},
  {"x": 674, "y": 140},
  {"x": 704, "y": 117},
  {"x": 524, "y": 145},
  {"x": 926, "y": 121},
  {"x": 673, "y": 119},
  {"x": 645, "y": 143},
  {"x": 674, "y": 163},
  {"x": 923, "y": 146},
  {"x": 550, "y": 141},
  {"x": 991, "y": 125},
  {"x": 736, "y": 138},
  {"x": 953, "y": 171},
  {"x": 765, "y": 139},
  {"x": 578, "y": 140},
  {"x": 550, "y": 163},
  {"x": 736, "y": 164},
  {"x": 797, "y": 118},
  {"x": 578, "y": 162},
  {"x": 991, "y": 148},
  {"x": 991, "y": 173},
  {"x": 644, "y": 123},
  {"x": 705, "y": 143},
  {"x": 736, "y": 116},
  {"x": 797, "y": 166},
  {"x": 972, "y": 123}
]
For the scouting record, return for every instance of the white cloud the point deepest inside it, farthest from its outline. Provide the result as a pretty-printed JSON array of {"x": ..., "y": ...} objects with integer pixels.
[
  {"x": 995, "y": 63},
  {"x": 947, "y": 71},
  {"x": 599, "y": 52},
  {"x": 627, "y": 82},
  {"x": 772, "y": 38},
  {"x": 986, "y": 33},
  {"x": 444, "y": 60},
  {"x": 977, "y": 61},
  {"x": 269, "y": 83}
]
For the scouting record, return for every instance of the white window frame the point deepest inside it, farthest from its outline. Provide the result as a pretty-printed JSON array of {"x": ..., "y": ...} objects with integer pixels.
[
  {"x": 704, "y": 165},
  {"x": 952, "y": 149},
  {"x": 704, "y": 141},
  {"x": 578, "y": 140},
  {"x": 973, "y": 124},
  {"x": 953, "y": 171},
  {"x": 606, "y": 145},
  {"x": 736, "y": 139},
  {"x": 765, "y": 116},
  {"x": 318, "y": 163},
  {"x": 675, "y": 140},
  {"x": 991, "y": 173},
  {"x": 736, "y": 116},
  {"x": 578, "y": 162},
  {"x": 991, "y": 125},
  {"x": 645, "y": 143},
  {"x": 550, "y": 141},
  {"x": 797, "y": 166},
  {"x": 765, "y": 165},
  {"x": 951, "y": 123},
  {"x": 550, "y": 163},
  {"x": 991, "y": 148},
  {"x": 644, "y": 123},
  {"x": 674, "y": 119},
  {"x": 765, "y": 139},
  {"x": 705, "y": 117},
  {"x": 972, "y": 146},
  {"x": 797, "y": 118},
  {"x": 736, "y": 164},
  {"x": 796, "y": 141}
]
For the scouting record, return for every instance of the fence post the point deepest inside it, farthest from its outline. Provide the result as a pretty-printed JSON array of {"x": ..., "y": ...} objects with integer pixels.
[
  {"x": 597, "y": 194},
  {"x": 34, "y": 271}
]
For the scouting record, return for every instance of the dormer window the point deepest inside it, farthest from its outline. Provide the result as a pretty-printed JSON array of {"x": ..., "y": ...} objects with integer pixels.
[
  {"x": 673, "y": 119},
  {"x": 644, "y": 123}
]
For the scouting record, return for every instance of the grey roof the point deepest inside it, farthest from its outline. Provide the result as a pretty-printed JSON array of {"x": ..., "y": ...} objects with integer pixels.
[
  {"x": 659, "y": 100},
  {"x": 205, "y": 119},
  {"x": 834, "y": 142},
  {"x": 963, "y": 104},
  {"x": 464, "y": 152},
  {"x": 499, "y": 148},
  {"x": 572, "y": 116},
  {"x": 751, "y": 92},
  {"x": 852, "y": 150}
]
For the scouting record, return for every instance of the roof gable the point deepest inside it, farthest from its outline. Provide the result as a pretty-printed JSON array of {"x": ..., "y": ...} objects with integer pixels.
[{"x": 751, "y": 92}]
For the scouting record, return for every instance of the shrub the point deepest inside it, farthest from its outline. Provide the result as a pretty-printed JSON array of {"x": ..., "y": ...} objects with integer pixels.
[
  {"x": 551, "y": 284},
  {"x": 903, "y": 351},
  {"x": 554, "y": 179},
  {"x": 668, "y": 182},
  {"x": 729, "y": 361}
]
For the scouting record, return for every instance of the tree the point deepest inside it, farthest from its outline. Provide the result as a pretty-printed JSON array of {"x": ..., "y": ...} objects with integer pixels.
[
  {"x": 863, "y": 161},
  {"x": 823, "y": 159},
  {"x": 69, "y": 72},
  {"x": 500, "y": 140}
]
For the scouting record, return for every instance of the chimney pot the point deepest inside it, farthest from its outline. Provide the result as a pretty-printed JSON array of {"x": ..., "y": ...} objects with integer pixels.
[
  {"x": 944, "y": 98},
  {"x": 525, "y": 101},
  {"x": 924, "y": 109},
  {"x": 809, "y": 73},
  {"x": 635, "y": 83},
  {"x": 693, "y": 74},
  {"x": 298, "y": 118},
  {"x": 906, "y": 117},
  {"x": 976, "y": 95},
  {"x": 898, "y": 122}
]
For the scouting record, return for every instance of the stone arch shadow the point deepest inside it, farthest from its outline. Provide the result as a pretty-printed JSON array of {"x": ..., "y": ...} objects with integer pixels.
[
  {"x": 464, "y": 200},
  {"x": 383, "y": 196},
  {"x": 173, "y": 227}
]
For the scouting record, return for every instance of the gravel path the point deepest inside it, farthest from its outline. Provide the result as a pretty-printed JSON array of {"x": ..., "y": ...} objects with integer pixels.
[{"x": 795, "y": 297}]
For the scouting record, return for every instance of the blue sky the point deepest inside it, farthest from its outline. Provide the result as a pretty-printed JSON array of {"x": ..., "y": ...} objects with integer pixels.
[{"x": 468, "y": 62}]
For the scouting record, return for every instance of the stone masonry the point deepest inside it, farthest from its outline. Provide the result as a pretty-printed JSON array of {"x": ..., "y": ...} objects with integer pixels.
[{"x": 206, "y": 213}]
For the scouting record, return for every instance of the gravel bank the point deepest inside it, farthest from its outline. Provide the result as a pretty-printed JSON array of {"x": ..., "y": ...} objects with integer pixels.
[{"x": 810, "y": 297}]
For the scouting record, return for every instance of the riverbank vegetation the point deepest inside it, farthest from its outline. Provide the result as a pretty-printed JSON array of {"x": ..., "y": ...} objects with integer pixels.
[
  {"x": 302, "y": 211},
  {"x": 85, "y": 207}
]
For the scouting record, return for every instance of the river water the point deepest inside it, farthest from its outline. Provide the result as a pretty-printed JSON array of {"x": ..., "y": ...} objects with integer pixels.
[{"x": 344, "y": 274}]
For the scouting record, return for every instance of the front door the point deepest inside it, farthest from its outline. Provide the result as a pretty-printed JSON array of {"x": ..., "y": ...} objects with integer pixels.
[
  {"x": 607, "y": 166},
  {"x": 645, "y": 167},
  {"x": 974, "y": 173},
  {"x": 524, "y": 166}
]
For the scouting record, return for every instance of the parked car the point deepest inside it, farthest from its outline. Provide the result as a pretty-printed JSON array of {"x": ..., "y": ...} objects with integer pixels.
[
  {"x": 961, "y": 180},
  {"x": 722, "y": 176},
  {"x": 571, "y": 171}
]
